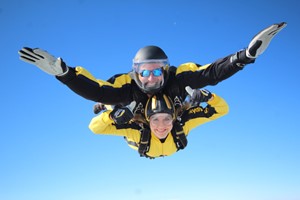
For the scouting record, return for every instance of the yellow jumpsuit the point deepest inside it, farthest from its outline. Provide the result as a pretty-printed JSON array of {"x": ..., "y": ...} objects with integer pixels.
[{"x": 103, "y": 124}]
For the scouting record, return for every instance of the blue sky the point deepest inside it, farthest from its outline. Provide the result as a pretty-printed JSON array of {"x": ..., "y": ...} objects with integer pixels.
[{"x": 47, "y": 151}]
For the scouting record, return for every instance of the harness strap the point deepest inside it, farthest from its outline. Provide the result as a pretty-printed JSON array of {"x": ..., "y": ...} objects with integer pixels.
[
  {"x": 179, "y": 136},
  {"x": 144, "y": 144}
]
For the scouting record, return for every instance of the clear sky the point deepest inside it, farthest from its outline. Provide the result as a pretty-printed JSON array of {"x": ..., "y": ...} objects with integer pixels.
[{"x": 47, "y": 151}]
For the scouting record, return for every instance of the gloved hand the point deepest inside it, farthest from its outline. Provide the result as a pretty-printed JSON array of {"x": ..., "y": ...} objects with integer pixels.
[
  {"x": 44, "y": 61},
  {"x": 257, "y": 45},
  {"x": 262, "y": 40},
  {"x": 198, "y": 95},
  {"x": 124, "y": 114},
  {"x": 98, "y": 107}
]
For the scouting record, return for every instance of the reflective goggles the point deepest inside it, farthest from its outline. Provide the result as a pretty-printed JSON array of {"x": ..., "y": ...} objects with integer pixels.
[{"x": 156, "y": 72}]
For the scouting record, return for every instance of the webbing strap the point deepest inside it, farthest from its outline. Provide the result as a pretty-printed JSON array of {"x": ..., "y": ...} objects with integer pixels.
[
  {"x": 179, "y": 136},
  {"x": 144, "y": 144}
]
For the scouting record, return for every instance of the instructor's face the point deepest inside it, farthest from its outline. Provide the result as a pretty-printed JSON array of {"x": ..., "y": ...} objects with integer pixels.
[{"x": 154, "y": 75}]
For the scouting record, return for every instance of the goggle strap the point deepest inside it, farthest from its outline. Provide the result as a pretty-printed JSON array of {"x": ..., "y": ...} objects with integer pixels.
[{"x": 165, "y": 61}]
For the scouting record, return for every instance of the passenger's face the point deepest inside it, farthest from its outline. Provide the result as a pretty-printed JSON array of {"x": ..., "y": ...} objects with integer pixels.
[
  {"x": 153, "y": 80},
  {"x": 161, "y": 124}
]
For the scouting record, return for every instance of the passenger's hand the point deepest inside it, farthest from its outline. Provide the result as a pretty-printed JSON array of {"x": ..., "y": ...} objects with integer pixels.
[{"x": 98, "y": 107}]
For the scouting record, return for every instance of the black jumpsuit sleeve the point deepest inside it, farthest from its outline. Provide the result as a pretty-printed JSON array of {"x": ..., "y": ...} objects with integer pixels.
[
  {"x": 92, "y": 90},
  {"x": 210, "y": 74}
]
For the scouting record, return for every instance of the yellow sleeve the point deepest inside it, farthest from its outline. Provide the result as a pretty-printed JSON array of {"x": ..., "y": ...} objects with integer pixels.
[
  {"x": 219, "y": 104},
  {"x": 102, "y": 124},
  {"x": 118, "y": 81}
]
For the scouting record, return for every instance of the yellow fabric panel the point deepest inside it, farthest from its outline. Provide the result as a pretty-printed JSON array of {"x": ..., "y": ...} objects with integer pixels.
[
  {"x": 122, "y": 80},
  {"x": 157, "y": 148},
  {"x": 81, "y": 71},
  {"x": 190, "y": 67},
  {"x": 220, "y": 106},
  {"x": 119, "y": 81}
]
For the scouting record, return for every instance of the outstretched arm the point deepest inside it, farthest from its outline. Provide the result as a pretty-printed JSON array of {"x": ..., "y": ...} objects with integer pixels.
[
  {"x": 223, "y": 68},
  {"x": 80, "y": 80}
]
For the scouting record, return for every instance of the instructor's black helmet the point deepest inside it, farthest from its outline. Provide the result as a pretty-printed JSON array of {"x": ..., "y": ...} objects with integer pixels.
[
  {"x": 159, "y": 103},
  {"x": 150, "y": 54}
]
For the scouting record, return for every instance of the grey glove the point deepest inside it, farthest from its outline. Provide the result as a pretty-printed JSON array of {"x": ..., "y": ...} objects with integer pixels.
[
  {"x": 257, "y": 45},
  {"x": 43, "y": 60},
  {"x": 198, "y": 95},
  {"x": 124, "y": 114},
  {"x": 262, "y": 40}
]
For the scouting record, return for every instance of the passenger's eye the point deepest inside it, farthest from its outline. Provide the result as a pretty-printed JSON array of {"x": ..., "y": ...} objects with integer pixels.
[{"x": 168, "y": 121}]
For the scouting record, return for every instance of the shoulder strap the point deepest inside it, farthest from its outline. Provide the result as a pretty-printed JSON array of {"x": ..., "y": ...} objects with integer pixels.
[
  {"x": 144, "y": 143},
  {"x": 178, "y": 136}
]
